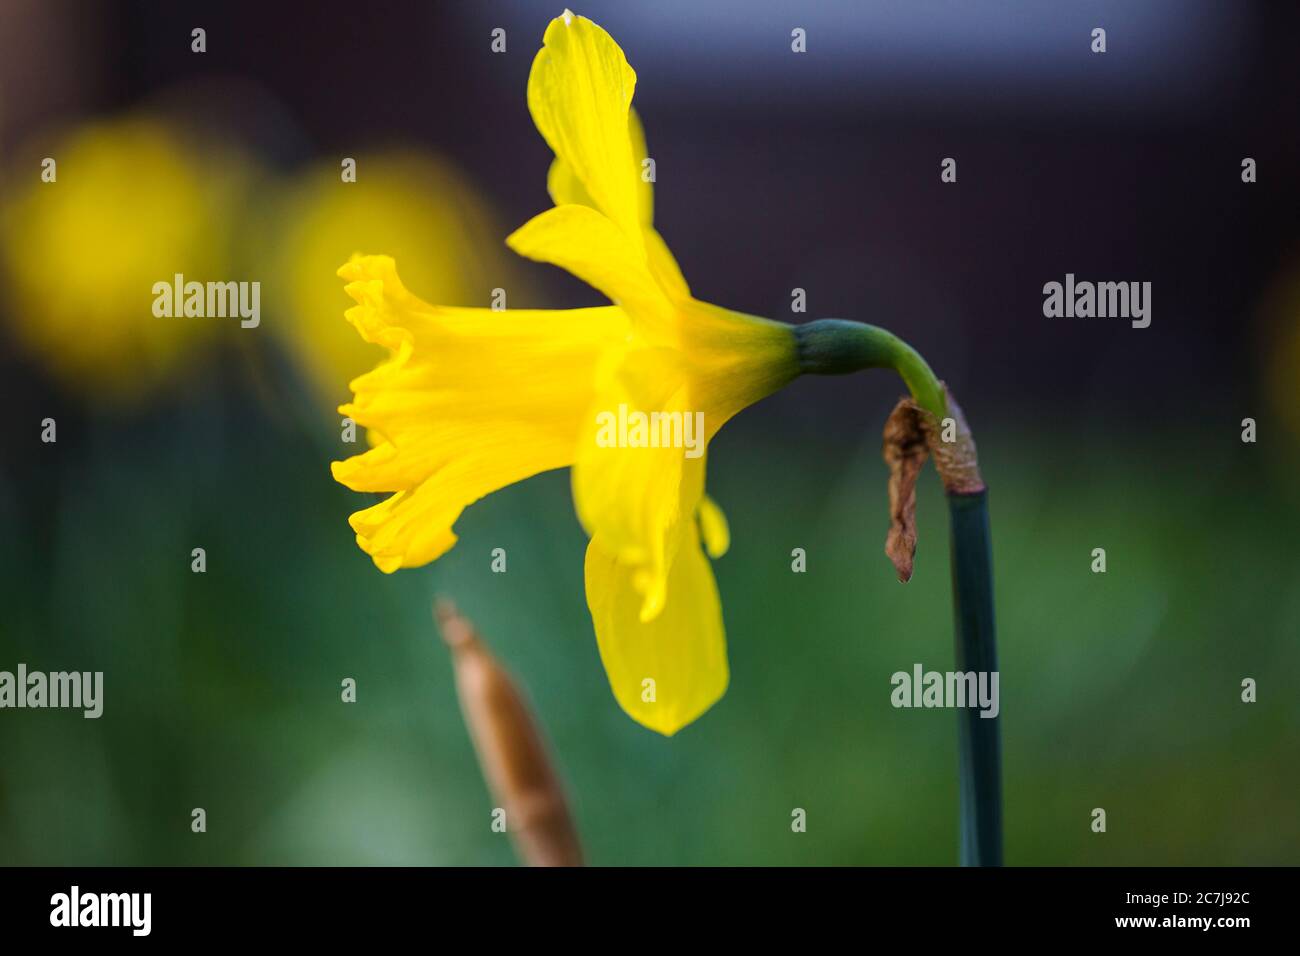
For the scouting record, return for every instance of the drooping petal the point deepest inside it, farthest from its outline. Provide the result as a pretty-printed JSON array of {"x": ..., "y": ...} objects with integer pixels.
[
  {"x": 469, "y": 401},
  {"x": 669, "y": 671},
  {"x": 636, "y": 498},
  {"x": 638, "y": 472},
  {"x": 579, "y": 93}
]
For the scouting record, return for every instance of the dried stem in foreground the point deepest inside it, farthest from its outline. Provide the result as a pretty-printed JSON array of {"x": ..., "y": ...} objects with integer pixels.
[{"x": 510, "y": 748}]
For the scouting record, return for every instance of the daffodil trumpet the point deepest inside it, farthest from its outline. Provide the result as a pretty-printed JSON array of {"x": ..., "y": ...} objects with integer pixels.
[{"x": 470, "y": 400}]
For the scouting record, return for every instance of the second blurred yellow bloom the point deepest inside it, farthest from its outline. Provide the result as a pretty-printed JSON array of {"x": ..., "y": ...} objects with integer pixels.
[{"x": 131, "y": 202}]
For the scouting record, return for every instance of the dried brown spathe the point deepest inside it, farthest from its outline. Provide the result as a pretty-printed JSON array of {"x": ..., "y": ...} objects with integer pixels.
[
  {"x": 905, "y": 452},
  {"x": 912, "y": 433}
]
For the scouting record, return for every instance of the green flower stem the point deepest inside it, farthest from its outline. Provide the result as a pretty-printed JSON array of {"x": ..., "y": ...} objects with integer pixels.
[
  {"x": 837, "y": 347},
  {"x": 979, "y": 751}
]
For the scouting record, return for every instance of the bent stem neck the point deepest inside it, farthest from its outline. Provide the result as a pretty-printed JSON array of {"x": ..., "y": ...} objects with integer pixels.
[{"x": 838, "y": 347}]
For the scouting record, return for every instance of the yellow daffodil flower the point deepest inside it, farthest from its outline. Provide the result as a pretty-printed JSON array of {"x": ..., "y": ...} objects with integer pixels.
[{"x": 471, "y": 400}]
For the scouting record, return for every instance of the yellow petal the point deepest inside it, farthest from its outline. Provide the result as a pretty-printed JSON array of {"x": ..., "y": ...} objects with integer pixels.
[
  {"x": 669, "y": 671},
  {"x": 632, "y": 495},
  {"x": 565, "y": 187},
  {"x": 469, "y": 401},
  {"x": 713, "y": 528},
  {"x": 635, "y": 499},
  {"x": 586, "y": 243},
  {"x": 645, "y": 190},
  {"x": 579, "y": 93}
]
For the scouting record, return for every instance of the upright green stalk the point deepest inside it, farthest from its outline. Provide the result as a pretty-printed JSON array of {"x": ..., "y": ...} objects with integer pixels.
[
  {"x": 979, "y": 751},
  {"x": 933, "y": 421}
]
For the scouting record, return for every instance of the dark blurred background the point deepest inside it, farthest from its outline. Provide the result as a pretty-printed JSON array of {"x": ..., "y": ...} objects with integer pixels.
[{"x": 775, "y": 171}]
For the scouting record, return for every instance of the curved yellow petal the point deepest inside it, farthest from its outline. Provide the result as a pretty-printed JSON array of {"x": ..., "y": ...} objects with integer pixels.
[
  {"x": 579, "y": 93},
  {"x": 565, "y": 187},
  {"x": 645, "y": 190},
  {"x": 586, "y": 243},
  {"x": 662, "y": 264},
  {"x": 669, "y": 671},
  {"x": 469, "y": 401}
]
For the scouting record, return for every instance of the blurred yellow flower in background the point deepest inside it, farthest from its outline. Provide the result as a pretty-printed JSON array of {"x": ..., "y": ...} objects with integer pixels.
[
  {"x": 411, "y": 203},
  {"x": 133, "y": 202}
]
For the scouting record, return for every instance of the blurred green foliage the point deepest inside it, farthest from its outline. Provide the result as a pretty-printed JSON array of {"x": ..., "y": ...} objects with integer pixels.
[{"x": 222, "y": 690}]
